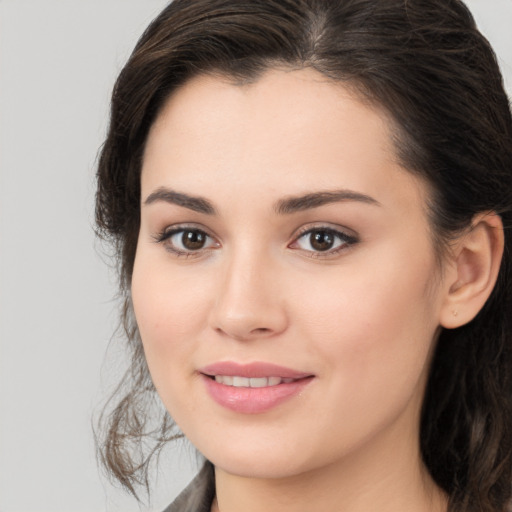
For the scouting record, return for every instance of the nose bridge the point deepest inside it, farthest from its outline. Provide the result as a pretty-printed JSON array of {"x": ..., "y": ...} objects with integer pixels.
[{"x": 248, "y": 302}]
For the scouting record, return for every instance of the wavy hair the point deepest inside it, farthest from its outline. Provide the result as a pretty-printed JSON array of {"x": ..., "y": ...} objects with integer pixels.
[{"x": 428, "y": 66}]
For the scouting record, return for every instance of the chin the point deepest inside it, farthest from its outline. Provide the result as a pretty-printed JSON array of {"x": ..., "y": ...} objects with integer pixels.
[
  {"x": 278, "y": 459},
  {"x": 260, "y": 467}
]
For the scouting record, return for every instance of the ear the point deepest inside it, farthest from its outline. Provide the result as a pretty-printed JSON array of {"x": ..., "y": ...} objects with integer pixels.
[{"x": 472, "y": 273}]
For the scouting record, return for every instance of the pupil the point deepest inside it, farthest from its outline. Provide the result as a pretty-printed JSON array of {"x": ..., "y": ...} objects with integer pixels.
[
  {"x": 193, "y": 240},
  {"x": 322, "y": 240}
]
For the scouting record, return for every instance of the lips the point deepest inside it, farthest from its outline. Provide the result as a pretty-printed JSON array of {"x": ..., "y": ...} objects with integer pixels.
[
  {"x": 250, "y": 382},
  {"x": 256, "y": 369},
  {"x": 252, "y": 388}
]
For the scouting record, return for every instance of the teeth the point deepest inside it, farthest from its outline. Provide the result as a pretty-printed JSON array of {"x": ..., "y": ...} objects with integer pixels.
[
  {"x": 228, "y": 380},
  {"x": 253, "y": 382},
  {"x": 241, "y": 382},
  {"x": 258, "y": 383}
]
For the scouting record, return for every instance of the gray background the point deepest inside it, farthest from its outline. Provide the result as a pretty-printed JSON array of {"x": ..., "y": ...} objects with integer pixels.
[{"x": 58, "y": 61}]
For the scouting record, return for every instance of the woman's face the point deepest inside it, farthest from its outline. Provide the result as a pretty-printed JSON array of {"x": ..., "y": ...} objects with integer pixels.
[{"x": 285, "y": 283}]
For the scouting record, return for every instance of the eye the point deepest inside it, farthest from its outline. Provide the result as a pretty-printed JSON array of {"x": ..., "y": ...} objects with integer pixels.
[
  {"x": 323, "y": 240},
  {"x": 186, "y": 241}
]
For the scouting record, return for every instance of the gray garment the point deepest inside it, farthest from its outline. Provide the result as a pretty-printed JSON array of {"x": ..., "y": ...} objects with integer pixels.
[{"x": 198, "y": 495}]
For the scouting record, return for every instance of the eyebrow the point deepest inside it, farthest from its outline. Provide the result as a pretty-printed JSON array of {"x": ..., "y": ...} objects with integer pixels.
[
  {"x": 316, "y": 199},
  {"x": 284, "y": 206},
  {"x": 197, "y": 204}
]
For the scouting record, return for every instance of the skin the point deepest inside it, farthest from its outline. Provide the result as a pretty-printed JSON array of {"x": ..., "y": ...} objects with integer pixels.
[{"x": 363, "y": 321}]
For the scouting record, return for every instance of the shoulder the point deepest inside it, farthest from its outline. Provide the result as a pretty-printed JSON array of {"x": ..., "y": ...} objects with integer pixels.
[{"x": 198, "y": 495}]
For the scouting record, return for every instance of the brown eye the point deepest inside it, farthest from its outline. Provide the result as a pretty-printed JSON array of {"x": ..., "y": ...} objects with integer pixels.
[
  {"x": 193, "y": 240},
  {"x": 321, "y": 240},
  {"x": 186, "y": 241}
]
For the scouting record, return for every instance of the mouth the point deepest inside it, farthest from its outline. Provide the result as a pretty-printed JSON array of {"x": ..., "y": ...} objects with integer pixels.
[
  {"x": 250, "y": 382},
  {"x": 253, "y": 388},
  {"x": 252, "y": 375}
]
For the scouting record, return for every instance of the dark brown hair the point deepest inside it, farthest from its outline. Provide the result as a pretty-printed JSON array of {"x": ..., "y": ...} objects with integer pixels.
[{"x": 427, "y": 65}]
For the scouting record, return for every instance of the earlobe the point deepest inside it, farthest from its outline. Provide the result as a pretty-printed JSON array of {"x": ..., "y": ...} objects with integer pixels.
[{"x": 475, "y": 267}]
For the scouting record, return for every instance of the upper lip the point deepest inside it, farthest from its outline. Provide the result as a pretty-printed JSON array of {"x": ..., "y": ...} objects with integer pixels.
[{"x": 256, "y": 369}]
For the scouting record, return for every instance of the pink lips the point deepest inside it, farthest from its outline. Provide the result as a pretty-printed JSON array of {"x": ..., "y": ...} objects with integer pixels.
[{"x": 253, "y": 400}]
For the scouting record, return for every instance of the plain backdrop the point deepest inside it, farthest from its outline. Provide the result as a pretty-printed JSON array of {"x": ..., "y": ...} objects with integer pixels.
[{"x": 58, "y": 61}]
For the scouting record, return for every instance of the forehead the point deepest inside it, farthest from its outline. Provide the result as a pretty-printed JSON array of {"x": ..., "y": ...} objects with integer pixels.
[
  {"x": 286, "y": 133},
  {"x": 293, "y": 103}
]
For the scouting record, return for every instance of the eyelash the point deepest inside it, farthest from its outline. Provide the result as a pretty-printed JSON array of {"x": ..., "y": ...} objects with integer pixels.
[
  {"x": 346, "y": 240},
  {"x": 165, "y": 236}
]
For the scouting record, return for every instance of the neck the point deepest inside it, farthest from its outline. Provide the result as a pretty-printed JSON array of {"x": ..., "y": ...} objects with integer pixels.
[{"x": 386, "y": 474}]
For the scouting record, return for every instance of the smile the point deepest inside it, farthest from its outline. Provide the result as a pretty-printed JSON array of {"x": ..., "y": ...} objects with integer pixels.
[
  {"x": 251, "y": 382},
  {"x": 253, "y": 388}
]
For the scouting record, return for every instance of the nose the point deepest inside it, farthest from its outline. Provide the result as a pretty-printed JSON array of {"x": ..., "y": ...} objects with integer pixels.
[{"x": 249, "y": 304}]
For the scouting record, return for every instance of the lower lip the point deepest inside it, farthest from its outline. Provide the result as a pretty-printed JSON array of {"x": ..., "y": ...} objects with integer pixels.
[{"x": 254, "y": 400}]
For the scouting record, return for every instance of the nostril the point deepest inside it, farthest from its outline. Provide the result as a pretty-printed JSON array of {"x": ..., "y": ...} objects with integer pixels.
[
  {"x": 240, "y": 321},
  {"x": 260, "y": 330}
]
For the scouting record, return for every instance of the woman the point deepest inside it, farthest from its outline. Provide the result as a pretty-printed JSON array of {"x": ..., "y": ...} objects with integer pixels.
[{"x": 309, "y": 200}]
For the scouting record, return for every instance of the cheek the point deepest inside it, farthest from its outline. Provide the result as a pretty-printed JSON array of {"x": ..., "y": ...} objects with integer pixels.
[
  {"x": 373, "y": 326},
  {"x": 169, "y": 307},
  {"x": 170, "y": 312},
  {"x": 371, "y": 335}
]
